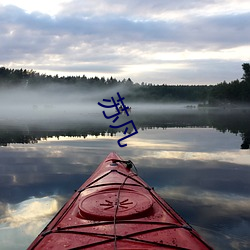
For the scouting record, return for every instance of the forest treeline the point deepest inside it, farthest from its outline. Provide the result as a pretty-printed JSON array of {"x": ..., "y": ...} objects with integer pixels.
[{"x": 236, "y": 91}]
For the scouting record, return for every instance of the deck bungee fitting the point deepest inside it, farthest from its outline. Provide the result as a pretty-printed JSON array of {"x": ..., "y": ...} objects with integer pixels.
[{"x": 116, "y": 209}]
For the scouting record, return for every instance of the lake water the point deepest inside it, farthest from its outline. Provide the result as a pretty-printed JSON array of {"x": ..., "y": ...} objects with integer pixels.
[{"x": 198, "y": 160}]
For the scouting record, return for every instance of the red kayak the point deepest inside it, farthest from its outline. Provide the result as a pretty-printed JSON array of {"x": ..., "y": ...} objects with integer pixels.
[{"x": 116, "y": 209}]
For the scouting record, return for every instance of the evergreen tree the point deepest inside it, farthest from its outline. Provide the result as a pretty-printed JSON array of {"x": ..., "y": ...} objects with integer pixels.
[{"x": 246, "y": 69}]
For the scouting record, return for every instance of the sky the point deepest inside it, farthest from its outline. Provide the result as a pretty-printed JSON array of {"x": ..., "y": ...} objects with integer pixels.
[{"x": 152, "y": 41}]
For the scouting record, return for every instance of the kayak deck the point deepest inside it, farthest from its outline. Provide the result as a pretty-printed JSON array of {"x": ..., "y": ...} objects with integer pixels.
[{"x": 116, "y": 209}]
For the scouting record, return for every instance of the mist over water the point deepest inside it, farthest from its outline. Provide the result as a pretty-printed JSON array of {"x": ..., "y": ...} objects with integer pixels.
[
  {"x": 58, "y": 109},
  {"x": 60, "y": 102},
  {"x": 56, "y": 102},
  {"x": 53, "y": 137}
]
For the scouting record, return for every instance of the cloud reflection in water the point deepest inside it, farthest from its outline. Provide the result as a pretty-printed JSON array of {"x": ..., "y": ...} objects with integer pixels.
[
  {"x": 21, "y": 222},
  {"x": 205, "y": 179}
]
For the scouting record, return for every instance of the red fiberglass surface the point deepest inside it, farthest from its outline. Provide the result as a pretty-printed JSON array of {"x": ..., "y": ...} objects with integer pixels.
[{"x": 116, "y": 209}]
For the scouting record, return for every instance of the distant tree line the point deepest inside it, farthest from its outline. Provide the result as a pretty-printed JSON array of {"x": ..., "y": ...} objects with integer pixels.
[{"x": 236, "y": 91}]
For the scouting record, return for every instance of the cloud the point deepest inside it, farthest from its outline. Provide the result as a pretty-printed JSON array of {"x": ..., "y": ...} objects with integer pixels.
[
  {"x": 125, "y": 39},
  {"x": 147, "y": 9},
  {"x": 115, "y": 30}
]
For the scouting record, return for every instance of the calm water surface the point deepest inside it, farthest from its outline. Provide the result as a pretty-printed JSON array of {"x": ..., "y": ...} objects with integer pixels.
[{"x": 192, "y": 158}]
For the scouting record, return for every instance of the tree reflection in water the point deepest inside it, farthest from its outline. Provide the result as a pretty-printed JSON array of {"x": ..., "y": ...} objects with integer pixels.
[{"x": 233, "y": 121}]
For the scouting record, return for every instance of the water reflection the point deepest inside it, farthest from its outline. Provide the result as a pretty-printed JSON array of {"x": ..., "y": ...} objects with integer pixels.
[
  {"x": 234, "y": 121},
  {"x": 194, "y": 164},
  {"x": 29, "y": 210},
  {"x": 21, "y": 221}
]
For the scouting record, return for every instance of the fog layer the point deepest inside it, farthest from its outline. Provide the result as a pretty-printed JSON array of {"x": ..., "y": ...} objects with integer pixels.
[{"x": 60, "y": 102}]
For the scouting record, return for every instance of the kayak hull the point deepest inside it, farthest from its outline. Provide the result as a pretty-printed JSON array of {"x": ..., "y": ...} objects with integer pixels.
[{"x": 116, "y": 209}]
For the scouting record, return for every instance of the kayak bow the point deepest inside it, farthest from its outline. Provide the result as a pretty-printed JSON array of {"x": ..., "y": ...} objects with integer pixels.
[{"x": 116, "y": 209}]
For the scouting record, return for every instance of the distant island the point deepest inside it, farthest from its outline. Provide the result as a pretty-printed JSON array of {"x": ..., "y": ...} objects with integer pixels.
[{"x": 227, "y": 94}]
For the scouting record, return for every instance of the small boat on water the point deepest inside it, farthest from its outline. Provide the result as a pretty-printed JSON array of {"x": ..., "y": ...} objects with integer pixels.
[{"x": 116, "y": 209}]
